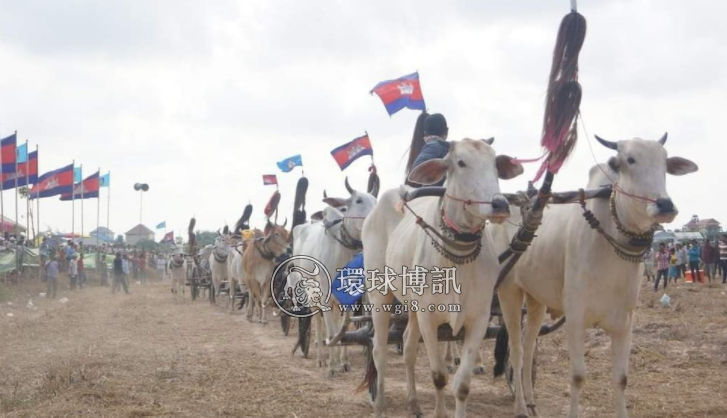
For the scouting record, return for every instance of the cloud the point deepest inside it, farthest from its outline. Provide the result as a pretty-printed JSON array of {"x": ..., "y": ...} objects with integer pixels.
[{"x": 200, "y": 99}]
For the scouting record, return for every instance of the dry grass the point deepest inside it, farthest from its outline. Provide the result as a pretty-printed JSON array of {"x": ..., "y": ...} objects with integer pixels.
[{"x": 103, "y": 355}]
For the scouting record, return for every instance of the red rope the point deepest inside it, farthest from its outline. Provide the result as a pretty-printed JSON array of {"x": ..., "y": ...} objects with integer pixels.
[{"x": 633, "y": 196}]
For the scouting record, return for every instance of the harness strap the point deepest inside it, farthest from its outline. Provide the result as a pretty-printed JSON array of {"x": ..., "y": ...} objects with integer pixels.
[
  {"x": 266, "y": 253},
  {"x": 639, "y": 246}
]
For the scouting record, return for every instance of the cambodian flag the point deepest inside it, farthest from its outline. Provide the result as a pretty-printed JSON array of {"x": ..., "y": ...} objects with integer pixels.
[
  {"x": 26, "y": 170},
  {"x": 8, "y": 151},
  {"x": 54, "y": 182},
  {"x": 400, "y": 93},
  {"x": 87, "y": 189},
  {"x": 350, "y": 151},
  {"x": 168, "y": 238},
  {"x": 269, "y": 179}
]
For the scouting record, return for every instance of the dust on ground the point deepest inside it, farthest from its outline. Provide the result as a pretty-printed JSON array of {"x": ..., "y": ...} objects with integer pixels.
[{"x": 143, "y": 355}]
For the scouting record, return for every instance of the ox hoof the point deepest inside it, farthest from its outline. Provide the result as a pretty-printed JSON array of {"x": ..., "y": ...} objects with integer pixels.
[
  {"x": 479, "y": 371},
  {"x": 451, "y": 369},
  {"x": 321, "y": 363},
  {"x": 345, "y": 368},
  {"x": 331, "y": 374},
  {"x": 457, "y": 361}
]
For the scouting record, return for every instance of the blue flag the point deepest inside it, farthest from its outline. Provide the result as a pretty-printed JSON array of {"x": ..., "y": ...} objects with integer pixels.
[
  {"x": 77, "y": 174},
  {"x": 105, "y": 180},
  {"x": 162, "y": 225},
  {"x": 22, "y": 153},
  {"x": 288, "y": 164}
]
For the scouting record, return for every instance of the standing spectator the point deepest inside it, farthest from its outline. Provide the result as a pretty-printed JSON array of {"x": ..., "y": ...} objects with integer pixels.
[
  {"x": 673, "y": 265},
  {"x": 662, "y": 266},
  {"x": 103, "y": 270},
  {"x": 682, "y": 256},
  {"x": 134, "y": 266},
  {"x": 142, "y": 267},
  {"x": 81, "y": 272},
  {"x": 649, "y": 265},
  {"x": 52, "y": 270},
  {"x": 119, "y": 275},
  {"x": 44, "y": 250},
  {"x": 73, "y": 271},
  {"x": 723, "y": 258},
  {"x": 710, "y": 255},
  {"x": 695, "y": 255}
]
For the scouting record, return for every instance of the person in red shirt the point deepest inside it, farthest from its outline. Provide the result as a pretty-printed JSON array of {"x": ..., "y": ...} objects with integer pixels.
[
  {"x": 81, "y": 272},
  {"x": 662, "y": 266}
]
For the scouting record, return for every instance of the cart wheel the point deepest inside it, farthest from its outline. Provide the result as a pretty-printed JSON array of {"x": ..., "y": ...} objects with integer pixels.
[
  {"x": 305, "y": 342},
  {"x": 509, "y": 375}
]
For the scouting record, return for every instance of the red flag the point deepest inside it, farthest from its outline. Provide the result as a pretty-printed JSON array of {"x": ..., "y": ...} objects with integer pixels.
[
  {"x": 269, "y": 179},
  {"x": 168, "y": 237},
  {"x": 350, "y": 151}
]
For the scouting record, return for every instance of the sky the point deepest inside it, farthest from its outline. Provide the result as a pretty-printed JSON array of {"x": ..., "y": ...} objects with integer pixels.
[{"x": 200, "y": 99}]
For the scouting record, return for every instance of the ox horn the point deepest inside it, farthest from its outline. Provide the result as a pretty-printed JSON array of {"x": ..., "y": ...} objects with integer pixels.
[
  {"x": 325, "y": 196},
  {"x": 348, "y": 186},
  {"x": 607, "y": 144},
  {"x": 662, "y": 141},
  {"x": 490, "y": 140},
  {"x": 285, "y": 223}
]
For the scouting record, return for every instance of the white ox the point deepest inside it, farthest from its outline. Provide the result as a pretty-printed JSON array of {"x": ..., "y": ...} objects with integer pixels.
[
  {"x": 395, "y": 239},
  {"x": 218, "y": 261},
  {"x": 177, "y": 273},
  {"x": 333, "y": 242},
  {"x": 572, "y": 269}
]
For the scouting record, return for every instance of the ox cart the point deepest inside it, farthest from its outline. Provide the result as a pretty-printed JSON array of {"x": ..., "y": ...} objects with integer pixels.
[
  {"x": 531, "y": 203},
  {"x": 199, "y": 277}
]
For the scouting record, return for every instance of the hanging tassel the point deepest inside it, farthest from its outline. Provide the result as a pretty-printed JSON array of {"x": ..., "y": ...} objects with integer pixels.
[
  {"x": 374, "y": 184},
  {"x": 564, "y": 94},
  {"x": 272, "y": 206}
]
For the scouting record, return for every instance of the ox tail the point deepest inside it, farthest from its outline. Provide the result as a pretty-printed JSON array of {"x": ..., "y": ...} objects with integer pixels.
[
  {"x": 501, "y": 345},
  {"x": 303, "y": 331},
  {"x": 369, "y": 380},
  {"x": 417, "y": 142}
]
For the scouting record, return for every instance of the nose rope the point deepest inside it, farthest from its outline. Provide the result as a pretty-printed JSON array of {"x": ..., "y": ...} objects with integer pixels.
[
  {"x": 633, "y": 196},
  {"x": 450, "y": 223}
]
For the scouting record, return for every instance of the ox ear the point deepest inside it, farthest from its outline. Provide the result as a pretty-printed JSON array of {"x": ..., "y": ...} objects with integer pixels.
[
  {"x": 429, "y": 172},
  {"x": 678, "y": 166},
  {"x": 318, "y": 216},
  {"x": 506, "y": 168},
  {"x": 335, "y": 202}
]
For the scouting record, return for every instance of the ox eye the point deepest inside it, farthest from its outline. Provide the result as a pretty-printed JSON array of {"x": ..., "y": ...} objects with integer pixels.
[
  {"x": 358, "y": 201},
  {"x": 461, "y": 164},
  {"x": 631, "y": 160}
]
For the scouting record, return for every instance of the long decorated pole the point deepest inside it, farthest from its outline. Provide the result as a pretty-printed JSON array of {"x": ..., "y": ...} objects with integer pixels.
[
  {"x": 98, "y": 218},
  {"x": 81, "y": 203},
  {"x": 560, "y": 129},
  {"x": 73, "y": 202},
  {"x": 27, "y": 199},
  {"x": 37, "y": 216}
]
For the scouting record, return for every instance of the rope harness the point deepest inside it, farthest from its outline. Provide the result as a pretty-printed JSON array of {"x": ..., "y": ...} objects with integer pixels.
[
  {"x": 451, "y": 238},
  {"x": 345, "y": 239},
  {"x": 639, "y": 243},
  {"x": 264, "y": 251}
]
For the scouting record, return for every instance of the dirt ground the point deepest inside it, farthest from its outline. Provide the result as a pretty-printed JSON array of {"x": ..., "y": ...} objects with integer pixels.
[{"x": 143, "y": 355}]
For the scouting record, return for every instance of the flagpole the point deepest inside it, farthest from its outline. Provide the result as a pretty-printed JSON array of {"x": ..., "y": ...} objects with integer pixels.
[
  {"x": 81, "y": 202},
  {"x": 98, "y": 217},
  {"x": 2, "y": 189},
  {"x": 16, "y": 228},
  {"x": 37, "y": 215},
  {"x": 108, "y": 204},
  {"x": 73, "y": 202},
  {"x": 27, "y": 188}
]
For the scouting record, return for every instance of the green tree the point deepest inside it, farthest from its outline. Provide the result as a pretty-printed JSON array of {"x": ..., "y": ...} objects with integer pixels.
[
  {"x": 148, "y": 245},
  {"x": 205, "y": 238}
]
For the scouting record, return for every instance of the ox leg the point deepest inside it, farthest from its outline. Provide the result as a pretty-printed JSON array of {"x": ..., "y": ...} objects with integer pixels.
[
  {"x": 428, "y": 329},
  {"x": 381, "y": 320},
  {"x": 536, "y": 314},
  {"x": 511, "y": 302},
  {"x": 251, "y": 305},
  {"x": 264, "y": 301},
  {"x": 576, "y": 333},
  {"x": 332, "y": 326},
  {"x": 620, "y": 350},
  {"x": 451, "y": 357},
  {"x": 320, "y": 332},
  {"x": 411, "y": 347},
  {"x": 474, "y": 334}
]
